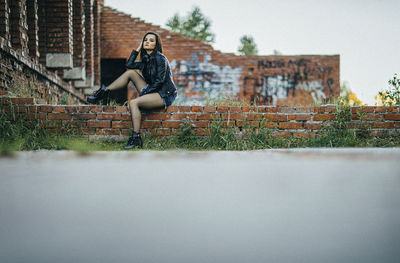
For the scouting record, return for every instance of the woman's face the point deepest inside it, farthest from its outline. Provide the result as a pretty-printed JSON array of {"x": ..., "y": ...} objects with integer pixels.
[{"x": 149, "y": 42}]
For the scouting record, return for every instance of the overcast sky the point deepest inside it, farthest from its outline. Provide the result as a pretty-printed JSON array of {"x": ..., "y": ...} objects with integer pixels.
[{"x": 365, "y": 33}]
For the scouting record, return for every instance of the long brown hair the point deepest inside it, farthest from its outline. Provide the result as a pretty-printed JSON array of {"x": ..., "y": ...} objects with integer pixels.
[{"x": 158, "y": 46}]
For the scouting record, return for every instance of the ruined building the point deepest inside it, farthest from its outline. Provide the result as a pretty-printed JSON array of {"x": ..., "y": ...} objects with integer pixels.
[{"x": 62, "y": 50}]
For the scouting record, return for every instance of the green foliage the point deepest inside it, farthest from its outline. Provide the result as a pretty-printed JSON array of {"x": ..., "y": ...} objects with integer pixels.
[
  {"x": 247, "y": 46},
  {"x": 391, "y": 96},
  {"x": 194, "y": 25}
]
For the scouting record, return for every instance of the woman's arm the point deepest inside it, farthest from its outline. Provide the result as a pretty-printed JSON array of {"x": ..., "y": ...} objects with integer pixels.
[
  {"x": 131, "y": 64},
  {"x": 162, "y": 67}
]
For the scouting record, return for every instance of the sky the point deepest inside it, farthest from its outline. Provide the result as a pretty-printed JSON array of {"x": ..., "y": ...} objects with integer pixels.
[{"x": 365, "y": 33}]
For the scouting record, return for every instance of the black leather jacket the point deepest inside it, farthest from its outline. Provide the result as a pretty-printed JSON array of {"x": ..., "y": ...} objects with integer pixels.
[{"x": 156, "y": 72}]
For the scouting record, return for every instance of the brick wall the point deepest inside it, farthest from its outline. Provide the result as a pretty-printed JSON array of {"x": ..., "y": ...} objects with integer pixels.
[
  {"x": 50, "y": 47},
  {"x": 202, "y": 72},
  {"x": 115, "y": 121},
  {"x": 18, "y": 71}
]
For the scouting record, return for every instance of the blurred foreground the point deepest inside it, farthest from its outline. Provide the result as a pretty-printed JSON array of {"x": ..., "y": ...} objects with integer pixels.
[{"x": 292, "y": 205}]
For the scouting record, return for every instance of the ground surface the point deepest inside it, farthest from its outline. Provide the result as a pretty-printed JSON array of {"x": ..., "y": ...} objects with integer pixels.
[{"x": 299, "y": 205}]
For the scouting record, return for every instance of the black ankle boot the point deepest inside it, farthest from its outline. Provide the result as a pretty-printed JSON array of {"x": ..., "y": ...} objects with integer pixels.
[
  {"x": 101, "y": 94},
  {"x": 134, "y": 141}
]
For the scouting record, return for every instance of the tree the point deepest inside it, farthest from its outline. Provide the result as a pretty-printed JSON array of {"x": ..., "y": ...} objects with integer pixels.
[
  {"x": 194, "y": 25},
  {"x": 247, "y": 46}
]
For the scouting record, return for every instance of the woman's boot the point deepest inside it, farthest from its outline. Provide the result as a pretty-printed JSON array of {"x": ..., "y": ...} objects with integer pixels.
[
  {"x": 101, "y": 94},
  {"x": 134, "y": 141}
]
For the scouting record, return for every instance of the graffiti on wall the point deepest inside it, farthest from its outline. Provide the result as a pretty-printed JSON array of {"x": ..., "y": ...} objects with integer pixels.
[
  {"x": 198, "y": 80},
  {"x": 279, "y": 79}
]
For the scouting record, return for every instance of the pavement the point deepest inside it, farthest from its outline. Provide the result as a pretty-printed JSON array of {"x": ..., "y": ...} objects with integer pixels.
[{"x": 277, "y": 205}]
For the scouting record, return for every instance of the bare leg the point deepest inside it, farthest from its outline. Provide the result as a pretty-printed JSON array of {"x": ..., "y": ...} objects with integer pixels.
[
  {"x": 152, "y": 100},
  {"x": 123, "y": 80}
]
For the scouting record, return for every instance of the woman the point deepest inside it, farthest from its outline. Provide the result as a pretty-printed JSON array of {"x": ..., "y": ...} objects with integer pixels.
[{"x": 151, "y": 74}]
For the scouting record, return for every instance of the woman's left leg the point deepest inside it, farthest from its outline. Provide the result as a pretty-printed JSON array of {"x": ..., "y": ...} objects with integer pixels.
[{"x": 148, "y": 101}]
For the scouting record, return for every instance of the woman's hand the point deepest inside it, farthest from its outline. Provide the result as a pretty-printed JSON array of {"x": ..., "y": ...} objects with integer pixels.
[{"x": 140, "y": 46}]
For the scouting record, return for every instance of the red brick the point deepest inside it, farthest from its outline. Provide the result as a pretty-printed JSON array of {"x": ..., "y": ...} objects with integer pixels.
[
  {"x": 98, "y": 124},
  {"x": 235, "y": 109},
  {"x": 182, "y": 116},
  {"x": 275, "y": 117},
  {"x": 159, "y": 116},
  {"x": 269, "y": 125},
  {"x": 172, "y": 109},
  {"x": 222, "y": 109},
  {"x": 391, "y": 109},
  {"x": 127, "y": 117},
  {"x": 205, "y": 116},
  {"x": 330, "y": 109},
  {"x": 126, "y": 132},
  {"x": 271, "y": 109},
  {"x": 323, "y": 117},
  {"x": 319, "y": 109},
  {"x": 58, "y": 116},
  {"x": 303, "y": 117},
  {"x": 83, "y": 109},
  {"x": 172, "y": 124},
  {"x": 210, "y": 109},
  {"x": 121, "y": 124},
  {"x": 151, "y": 124},
  {"x": 3, "y": 92},
  {"x": 33, "y": 109},
  {"x": 380, "y": 109},
  {"x": 254, "y": 117},
  {"x": 46, "y": 109},
  {"x": 390, "y": 116},
  {"x": 184, "y": 108},
  {"x": 121, "y": 109},
  {"x": 59, "y": 109},
  {"x": 286, "y": 110},
  {"x": 372, "y": 117},
  {"x": 383, "y": 125},
  {"x": 37, "y": 116},
  {"x": 197, "y": 108},
  {"x": 201, "y": 124},
  {"x": 245, "y": 109},
  {"x": 84, "y": 116},
  {"x": 109, "y": 116},
  {"x": 22, "y": 100},
  {"x": 290, "y": 125},
  {"x": 96, "y": 108},
  {"x": 71, "y": 109},
  {"x": 233, "y": 116},
  {"x": 108, "y": 108}
]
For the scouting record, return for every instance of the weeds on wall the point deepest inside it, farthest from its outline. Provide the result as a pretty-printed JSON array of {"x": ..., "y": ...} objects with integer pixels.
[{"x": 391, "y": 96}]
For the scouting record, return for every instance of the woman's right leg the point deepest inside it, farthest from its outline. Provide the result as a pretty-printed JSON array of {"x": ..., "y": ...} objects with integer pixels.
[{"x": 123, "y": 80}]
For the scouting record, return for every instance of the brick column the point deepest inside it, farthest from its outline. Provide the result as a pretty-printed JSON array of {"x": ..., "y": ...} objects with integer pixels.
[
  {"x": 19, "y": 26},
  {"x": 4, "y": 19},
  {"x": 56, "y": 36},
  {"x": 78, "y": 71},
  {"x": 96, "y": 41},
  {"x": 33, "y": 42},
  {"x": 88, "y": 8}
]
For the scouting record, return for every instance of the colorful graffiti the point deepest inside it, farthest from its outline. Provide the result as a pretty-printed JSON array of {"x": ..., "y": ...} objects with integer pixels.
[
  {"x": 198, "y": 80},
  {"x": 279, "y": 78}
]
